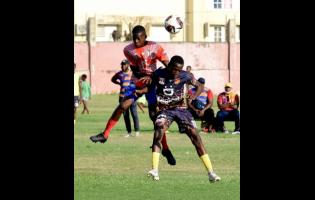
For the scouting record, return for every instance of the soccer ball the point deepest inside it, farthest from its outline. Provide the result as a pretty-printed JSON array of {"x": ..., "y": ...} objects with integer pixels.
[{"x": 173, "y": 24}]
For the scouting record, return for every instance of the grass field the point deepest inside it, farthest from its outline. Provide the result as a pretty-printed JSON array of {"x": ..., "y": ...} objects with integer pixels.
[{"x": 117, "y": 169}]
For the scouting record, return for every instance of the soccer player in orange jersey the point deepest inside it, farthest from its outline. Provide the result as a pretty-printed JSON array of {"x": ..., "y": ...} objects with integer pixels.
[{"x": 143, "y": 56}]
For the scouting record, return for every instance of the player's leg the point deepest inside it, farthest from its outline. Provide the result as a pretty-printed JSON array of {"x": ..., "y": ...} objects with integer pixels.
[
  {"x": 161, "y": 125},
  {"x": 188, "y": 125},
  {"x": 151, "y": 99},
  {"x": 201, "y": 151},
  {"x": 166, "y": 152},
  {"x": 126, "y": 119},
  {"x": 156, "y": 148},
  {"x": 134, "y": 114},
  {"x": 123, "y": 106}
]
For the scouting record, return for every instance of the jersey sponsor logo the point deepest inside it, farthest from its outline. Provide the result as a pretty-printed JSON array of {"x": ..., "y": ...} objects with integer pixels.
[
  {"x": 167, "y": 101},
  {"x": 168, "y": 91}
]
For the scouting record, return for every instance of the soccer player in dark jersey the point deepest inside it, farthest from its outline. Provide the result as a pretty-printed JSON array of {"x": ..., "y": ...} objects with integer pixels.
[
  {"x": 143, "y": 56},
  {"x": 170, "y": 83}
]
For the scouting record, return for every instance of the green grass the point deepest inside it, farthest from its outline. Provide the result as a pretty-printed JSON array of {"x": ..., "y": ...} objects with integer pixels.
[{"x": 117, "y": 169}]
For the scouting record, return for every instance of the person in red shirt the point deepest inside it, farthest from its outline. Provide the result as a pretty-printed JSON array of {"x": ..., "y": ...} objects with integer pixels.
[
  {"x": 143, "y": 56},
  {"x": 228, "y": 103},
  {"x": 200, "y": 108}
]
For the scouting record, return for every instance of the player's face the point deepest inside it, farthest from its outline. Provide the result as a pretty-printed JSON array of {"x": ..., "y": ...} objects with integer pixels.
[
  {"x": 228, "y": 89},
  {"x": 176, "y": 69},
  {"x": 125, "y": 67},
  {"x": 139, "y": 39}
]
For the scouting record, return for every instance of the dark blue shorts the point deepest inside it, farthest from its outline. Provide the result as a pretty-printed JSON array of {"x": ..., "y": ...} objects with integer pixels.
[
  {"x": 150, "y": 96},
  {"x": 181, "y": 116}
]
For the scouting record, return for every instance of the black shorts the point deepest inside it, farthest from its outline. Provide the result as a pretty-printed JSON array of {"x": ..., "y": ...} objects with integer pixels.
[
  {"x": 76, "y": 101},
  {"x": 181, "y": 116}
]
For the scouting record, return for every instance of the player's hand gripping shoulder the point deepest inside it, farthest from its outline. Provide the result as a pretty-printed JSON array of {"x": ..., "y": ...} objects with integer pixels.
[
  {"x": 142, "y": 85},
  {"x": 146, "y": 80},
  {"x": 139, "y": 92}
]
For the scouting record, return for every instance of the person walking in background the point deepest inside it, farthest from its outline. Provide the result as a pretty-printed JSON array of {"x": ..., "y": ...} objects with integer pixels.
[{"x": 86, "y": 93}]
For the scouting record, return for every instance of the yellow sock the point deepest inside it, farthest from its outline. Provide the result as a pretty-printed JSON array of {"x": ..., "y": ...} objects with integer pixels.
[
  {"x": 206, "y": 161},
  {"x": 155, "y": 160},
  {"x": 74, "y": 121}
]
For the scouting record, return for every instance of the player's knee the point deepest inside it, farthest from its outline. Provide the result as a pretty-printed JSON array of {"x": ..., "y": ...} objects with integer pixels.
[
  {"x": 160, "y": 123},
  {"x": 157, "y": 143}
]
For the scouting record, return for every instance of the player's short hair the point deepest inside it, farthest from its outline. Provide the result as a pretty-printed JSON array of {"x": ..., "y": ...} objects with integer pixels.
[
  {"x": 138, "y": 29},
  {"x": 176, "y": 60}
]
